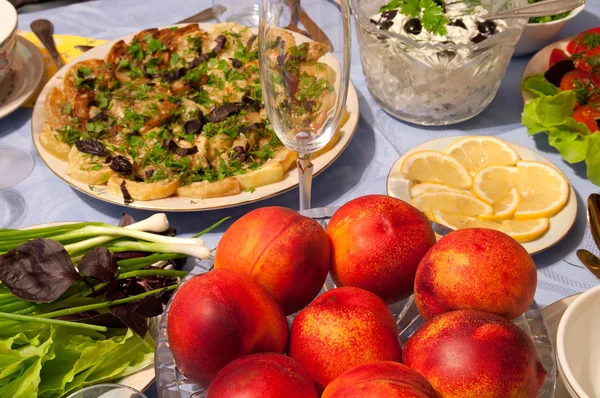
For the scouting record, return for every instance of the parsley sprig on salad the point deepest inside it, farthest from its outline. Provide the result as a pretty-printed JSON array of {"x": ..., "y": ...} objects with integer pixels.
[
  {"x": 566, "y": 103},
  {"x": 430, "y": 12}
]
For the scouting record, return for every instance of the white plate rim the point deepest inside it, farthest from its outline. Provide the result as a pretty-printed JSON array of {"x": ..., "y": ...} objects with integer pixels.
[
  {"x": 173, "y": 203},
  {"x": 37, "y": 61},
  {"x": 568, "y": 213}
]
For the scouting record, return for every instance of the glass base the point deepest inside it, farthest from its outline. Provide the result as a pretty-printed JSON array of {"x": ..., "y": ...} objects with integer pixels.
[{"x": 15, "y": 166}]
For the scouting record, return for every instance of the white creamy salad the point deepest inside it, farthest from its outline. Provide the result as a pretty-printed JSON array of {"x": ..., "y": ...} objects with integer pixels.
[{"x": 457, "y": 22}]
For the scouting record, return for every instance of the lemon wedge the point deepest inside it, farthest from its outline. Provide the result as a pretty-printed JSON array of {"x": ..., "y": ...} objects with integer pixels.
[
  {"x": 520, "y": 230},
  {"x": 426, "y": 187},
  {"x": 437, "y": 167},
  {"x": 478, "y": 152},
  {"x": 544, "y": 190},
  {"x": 451, "y": 203}
]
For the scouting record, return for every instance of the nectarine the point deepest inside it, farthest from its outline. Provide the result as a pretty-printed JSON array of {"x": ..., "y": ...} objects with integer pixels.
[
  {"x": 379, "y": 380},
  {"x": 376, "y": 244},
  {"x": 285, "y": 252},
  {"x": 477, "y": 269},
  {"x": 475, "y": 354},
  {"x": 343, "y": 328},
  {"x": 219, "y": 316},
  {"x": 262, "y": 376}
]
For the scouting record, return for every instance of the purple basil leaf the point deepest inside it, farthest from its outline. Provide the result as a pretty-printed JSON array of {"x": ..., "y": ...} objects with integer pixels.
[
  {"x": 130, "y": 318},
  {"x": 99, "y": 263},
  {"x": 126, "y": 220},
  {"x": 129, "y": 254},
  {"x": 39, "y": 270},
  {"x": 150, "y": 306}
]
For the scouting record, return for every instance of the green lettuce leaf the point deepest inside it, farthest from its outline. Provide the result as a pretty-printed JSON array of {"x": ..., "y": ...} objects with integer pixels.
[
  {"x": 539, "y": 86},
  {"x": 549, "y": 111},
  {"x": 592, "y": 158},
  {"x": 570, "y": 139}
]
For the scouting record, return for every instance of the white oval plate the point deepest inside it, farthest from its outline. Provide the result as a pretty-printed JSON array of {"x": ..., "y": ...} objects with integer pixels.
[
  {"x": 552, "y": 316},
  {"x": 173, "y": 203},
  {"x": 539, "y": 63},
  {"x": 560, "y": 224}
]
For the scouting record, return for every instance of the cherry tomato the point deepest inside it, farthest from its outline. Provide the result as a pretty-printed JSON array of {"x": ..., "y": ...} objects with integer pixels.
[
  {"x": 596, "y": 79},
  {"x": 588, "y": 115},
  {"x": 574, "y": 79},
  {"x": 588, "y": 60},
  {"x": 585, "y": 41},
  {"x": 556, "y": 56}
]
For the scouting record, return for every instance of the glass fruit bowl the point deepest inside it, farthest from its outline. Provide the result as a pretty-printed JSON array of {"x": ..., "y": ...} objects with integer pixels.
[
  {"x": 172, "y": 384},
  {"x": 433, "y": 83}
]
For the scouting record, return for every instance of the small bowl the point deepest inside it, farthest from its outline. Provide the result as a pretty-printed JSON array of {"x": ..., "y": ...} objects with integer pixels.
[
  {"x": 538, "y": 35},
  {"x": 578, "y": 346},
  {"x": 8, "y": 37}
]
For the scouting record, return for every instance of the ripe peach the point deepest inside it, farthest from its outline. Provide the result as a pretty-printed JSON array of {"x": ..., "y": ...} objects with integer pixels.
[
  {"x": 285, "y": 252},
  {"x": 219, "y": 316},
  {"x": 475, "y": 354},
  {"x": 475, "y": 269},
  {"x": 262, "y": 376},
  {"x": 376, "y": 244},
  {"x": 380, "y": 379},
  {"x": 343, "y": 328}
]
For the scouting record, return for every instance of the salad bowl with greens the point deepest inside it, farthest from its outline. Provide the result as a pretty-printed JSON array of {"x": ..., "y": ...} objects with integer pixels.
[
  {"x": 561, "y": 90},
  {"x": 541, "y": 31}
]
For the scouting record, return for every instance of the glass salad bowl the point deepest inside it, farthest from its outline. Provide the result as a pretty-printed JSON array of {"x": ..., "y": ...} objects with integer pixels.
[
  {"x": 172, "y": 384},
  {"x": 433, "y": 83}
]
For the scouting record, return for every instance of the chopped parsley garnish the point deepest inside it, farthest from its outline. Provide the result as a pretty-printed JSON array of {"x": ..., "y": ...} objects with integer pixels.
[
  {"x": 591, "y": 40},
  {"x": 68, "y": 135},
  {"x": 153, "y": 45},
  {"x": 84, "y": 71},
  {"x": 66, "y": 109},
  {"x": 135, "y": 50}
]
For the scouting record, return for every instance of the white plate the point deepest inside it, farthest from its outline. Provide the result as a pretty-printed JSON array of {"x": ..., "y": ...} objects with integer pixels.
[
  {"x": 560, "y": 224},
  {"x": 552, "y": 315},
  {"x": 540, "y": 63},
  {"x": 23, "y": 80},
  {"x": 290, "y": 180}
]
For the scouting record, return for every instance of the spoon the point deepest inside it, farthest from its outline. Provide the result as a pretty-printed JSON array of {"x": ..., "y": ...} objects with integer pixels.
[
  {"x": 293, "y": 25},
  {"x": 44, "y": 30},
  {"x": 590, "y": 260},
  {"x": 540, "y": 9}
]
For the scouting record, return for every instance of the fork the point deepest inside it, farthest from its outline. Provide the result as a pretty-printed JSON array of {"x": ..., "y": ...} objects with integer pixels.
[{"x": 293, "y": 25}]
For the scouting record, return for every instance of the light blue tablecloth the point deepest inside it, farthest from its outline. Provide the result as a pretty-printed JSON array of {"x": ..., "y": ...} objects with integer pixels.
[{"x": 361, "y": 169}]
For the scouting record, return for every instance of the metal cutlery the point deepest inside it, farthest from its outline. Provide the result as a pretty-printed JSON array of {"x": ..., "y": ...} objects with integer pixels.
[
  {"x": 293, "y": 25},
  {"x": 44, "y": 30},
  {"x": 540, "y": 9},
  {"x": 316, "y": 33},
  {"x": 590, "y": 260}
]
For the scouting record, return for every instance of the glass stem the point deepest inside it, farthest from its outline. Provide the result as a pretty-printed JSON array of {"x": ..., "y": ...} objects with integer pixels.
[{"x": 305, "y": 172}]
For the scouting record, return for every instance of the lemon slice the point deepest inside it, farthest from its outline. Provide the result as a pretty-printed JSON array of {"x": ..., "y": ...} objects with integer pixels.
[
  {"x": 520, "y": 230},
  {"x": 494, "y": 182},
  {"x": 457, "y": 221},
  {"x": 478, "y": 152},
  {"x": 450, "y": 203},
  {"x": 505, "y": 206},
  {"x": 426, "y": 187},
  {"x": 543, "y": 189},
  {"x": 433, "y": 166},
  {"x": 525, "y": 230}
]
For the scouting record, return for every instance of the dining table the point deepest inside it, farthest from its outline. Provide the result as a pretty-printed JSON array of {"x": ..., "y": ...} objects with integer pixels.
[{"x": 361, "y": 169}]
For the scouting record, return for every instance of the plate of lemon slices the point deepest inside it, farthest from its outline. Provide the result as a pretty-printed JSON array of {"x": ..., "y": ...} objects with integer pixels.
[{"x": 485, "y": 182}]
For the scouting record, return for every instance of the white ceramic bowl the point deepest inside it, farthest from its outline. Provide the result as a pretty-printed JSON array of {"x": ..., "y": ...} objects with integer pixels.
[
  {"x": 538, "y": 35},
  {"x": 578, "y": 346},
  {"x": 8, "y": 37}
]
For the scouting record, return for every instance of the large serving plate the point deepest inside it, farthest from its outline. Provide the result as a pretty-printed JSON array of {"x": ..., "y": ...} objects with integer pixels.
[
  {"x": 172, "y": 384},
  {"x": 290, "y": 180},
  {"x": 539, "y": 63},
  {"x": 560, "y": 224}
]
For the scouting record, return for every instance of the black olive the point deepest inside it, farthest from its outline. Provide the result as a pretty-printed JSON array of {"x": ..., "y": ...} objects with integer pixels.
[
  {"x": 221, "y": 40},
  {"x": 251, "y": 41},
  {"x": 121, "y": 165},
  {"x": 440, "y": 3},
  {"x": 126, "y": 196},
  {"x": 99, "y": 117},
  {"x": 187, "y": 151},
  {"x": 413, "y": 26},
  {"x": 555, "y": 74},
  {"x": 174, "y": 75},
  {"x": 239, "y": 149},
  {"x": 221, "y": 112},
  {"x": 92, "y": 147},
  {"x": 373, "y": 21},
  {"x": 148, "y": 174},
  {"x": 389, "y": 14},
  {"x": 486, "y": 28},
  {"x": 236, "y": 63},
  {"x": 479, "y": 38},
  {"x": 386, "y": 25},
  {"x": 193, "y": 126},
  {"x": 242, "y": 157},
  {"x": 459, "y": 23}
]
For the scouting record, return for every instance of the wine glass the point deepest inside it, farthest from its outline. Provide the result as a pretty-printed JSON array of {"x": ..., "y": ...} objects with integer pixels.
[
  {"x": 15, "y": 166},
  {"x": 107, "y": 391},
  {"x": 304, "y": 86}
]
